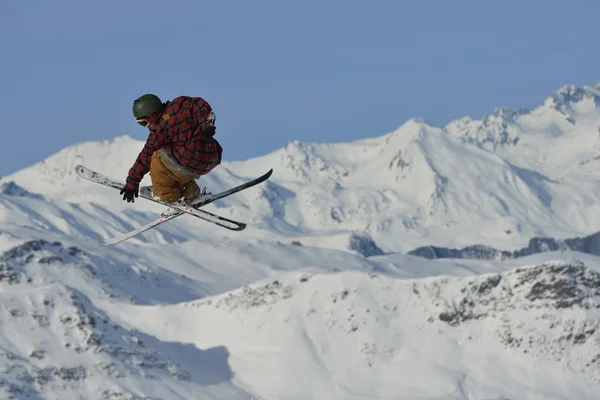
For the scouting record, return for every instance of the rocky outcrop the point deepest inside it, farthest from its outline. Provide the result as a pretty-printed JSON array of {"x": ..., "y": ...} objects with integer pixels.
[{"x": 588, "y": 244}]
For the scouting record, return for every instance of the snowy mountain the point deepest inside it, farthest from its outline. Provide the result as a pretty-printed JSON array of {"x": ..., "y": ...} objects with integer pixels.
[
  {"x": 317, "y": 298},
  {"x": 498, "y": 181}
]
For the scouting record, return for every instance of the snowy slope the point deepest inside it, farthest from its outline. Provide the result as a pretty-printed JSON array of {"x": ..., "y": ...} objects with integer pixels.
[
  {"x": 291, "y": 308},
  {"x": 354, "y": 335},
  {"x": 55, "y": 343},
  {"x": 73, "y": 325}
]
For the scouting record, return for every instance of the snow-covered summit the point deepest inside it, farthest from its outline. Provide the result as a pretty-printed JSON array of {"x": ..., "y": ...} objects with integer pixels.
[
  {"x": 571, "y": 96},
  {"x": 555, "y": 116}
]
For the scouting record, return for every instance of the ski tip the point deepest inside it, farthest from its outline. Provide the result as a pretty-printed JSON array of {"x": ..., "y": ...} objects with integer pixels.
[
  {"x": 110, "y": 242},
  {"x": 81, "y": 170},
  {"x": 265, "y": 176}
]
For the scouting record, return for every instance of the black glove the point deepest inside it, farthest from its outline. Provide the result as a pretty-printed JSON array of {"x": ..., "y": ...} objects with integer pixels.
[
  {"x": 128, "y": 194},
  {"x": 209, "y": 132}
]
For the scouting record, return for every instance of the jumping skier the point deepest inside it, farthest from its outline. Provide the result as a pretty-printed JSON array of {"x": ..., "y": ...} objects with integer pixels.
[{"x": 180, "y": 147}]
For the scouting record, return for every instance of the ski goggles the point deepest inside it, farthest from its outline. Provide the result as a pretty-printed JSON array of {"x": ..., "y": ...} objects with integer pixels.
[{"x": 143, "y": 122}]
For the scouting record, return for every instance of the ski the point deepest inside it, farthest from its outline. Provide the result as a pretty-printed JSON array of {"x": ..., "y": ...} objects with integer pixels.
[
  {"x": 215, "y": 219},
  {"x": 175, "y": 210}
]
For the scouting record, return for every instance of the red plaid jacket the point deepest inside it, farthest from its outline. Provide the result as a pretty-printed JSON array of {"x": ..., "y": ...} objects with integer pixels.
[{"x": 179, "y": 131}]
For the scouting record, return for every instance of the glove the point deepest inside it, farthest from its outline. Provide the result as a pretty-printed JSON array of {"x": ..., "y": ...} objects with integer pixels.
[
  {"x": 128, "y": 194},
  {"x": 209, "y": 132}
]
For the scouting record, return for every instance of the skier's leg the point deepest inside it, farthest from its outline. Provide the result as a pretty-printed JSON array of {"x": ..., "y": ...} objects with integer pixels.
[
  {"x": 165, "y": 184},
  {"x": 170, "y": 185}
]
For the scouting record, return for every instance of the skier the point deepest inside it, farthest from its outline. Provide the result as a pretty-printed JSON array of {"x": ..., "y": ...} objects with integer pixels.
[{"x": 180, "y": 147}]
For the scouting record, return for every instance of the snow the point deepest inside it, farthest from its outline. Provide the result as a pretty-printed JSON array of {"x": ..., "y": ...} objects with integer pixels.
[
  {"x": 317, "y": 298},
  {"x": 374, "y": 336}
]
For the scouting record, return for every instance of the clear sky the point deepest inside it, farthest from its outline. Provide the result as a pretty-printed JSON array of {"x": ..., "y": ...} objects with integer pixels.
[{"x": 279, "y": 70}]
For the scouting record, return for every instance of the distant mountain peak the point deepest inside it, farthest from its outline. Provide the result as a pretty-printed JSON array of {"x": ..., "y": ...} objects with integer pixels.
[
  {"x": 493, "y": 130},
  {"x": 570, "y": 100},
  {"x": 575, "y": 94}
]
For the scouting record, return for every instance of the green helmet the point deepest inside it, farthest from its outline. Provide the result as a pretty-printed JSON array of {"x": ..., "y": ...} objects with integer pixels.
[{"x": 146, "y": 105}]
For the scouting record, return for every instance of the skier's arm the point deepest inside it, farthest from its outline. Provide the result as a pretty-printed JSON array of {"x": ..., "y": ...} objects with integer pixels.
[
  {"x": 203, "y": 114},
  {"x": 142, "y": 164}
]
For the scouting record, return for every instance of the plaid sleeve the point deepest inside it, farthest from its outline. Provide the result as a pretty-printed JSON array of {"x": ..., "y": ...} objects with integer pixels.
[
  {"x": 142, "y": 163},
  {"x": 202, "y": 111}
]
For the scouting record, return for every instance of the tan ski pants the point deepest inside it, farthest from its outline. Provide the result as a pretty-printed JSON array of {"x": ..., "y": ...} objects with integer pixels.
[{"x": 169, "y": 185}]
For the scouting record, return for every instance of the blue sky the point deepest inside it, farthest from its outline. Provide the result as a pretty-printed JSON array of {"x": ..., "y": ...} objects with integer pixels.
[{"x": 277, "y": 71}]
